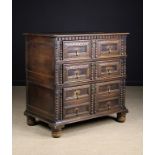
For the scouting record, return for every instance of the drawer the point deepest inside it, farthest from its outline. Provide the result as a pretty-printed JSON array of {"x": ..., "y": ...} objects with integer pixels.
[
  {"x": 107, "y": 104},
  {"x": 75, "y": 50},
  {"x": 76, "y": 93},
  {"x": 76, "y": 111},
  {"x": 108, "y": 48},
  {"x": 77, "y": 72},
  {"x": 76, "y": 102},
  {"x": 111, "y": 88},
  {"x": 108, "y": 69}
]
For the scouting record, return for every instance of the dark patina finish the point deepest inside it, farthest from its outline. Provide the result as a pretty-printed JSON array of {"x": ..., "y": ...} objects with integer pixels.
[{"x": 75, "y": 77}]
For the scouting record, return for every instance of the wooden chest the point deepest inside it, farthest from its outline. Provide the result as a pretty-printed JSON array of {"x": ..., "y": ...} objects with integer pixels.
[{"x": 75, "y": 77}]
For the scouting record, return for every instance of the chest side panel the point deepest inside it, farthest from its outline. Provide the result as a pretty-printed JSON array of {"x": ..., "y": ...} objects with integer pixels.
[{"x": 40, "y": 71}]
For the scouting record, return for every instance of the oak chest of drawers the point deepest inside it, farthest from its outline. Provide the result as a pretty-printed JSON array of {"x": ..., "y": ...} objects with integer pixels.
[{"x": 75, "y": 77}]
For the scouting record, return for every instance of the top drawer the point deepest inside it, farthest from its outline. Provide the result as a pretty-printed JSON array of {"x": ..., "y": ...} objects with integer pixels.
[
  {"x": 108, "y": 48},
  {"x": 75, "y": 50}
]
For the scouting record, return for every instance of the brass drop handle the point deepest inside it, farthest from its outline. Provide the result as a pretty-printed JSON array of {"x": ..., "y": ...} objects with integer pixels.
[
  {"x": 77, "y": 111},
  {"x": 76, "y": 74},
  {"x": 77, "y": 54},
  {"x": 108, "y": 71},
  {"x": 109, "y": 49},
  {"x": 108, "y": 104},
  {"x": 109, "y": 90},
  {"x": 76, "y": 94}
]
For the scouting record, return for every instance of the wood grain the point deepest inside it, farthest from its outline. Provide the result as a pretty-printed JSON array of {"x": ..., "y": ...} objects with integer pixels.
[{"x": 75, "y": 77}]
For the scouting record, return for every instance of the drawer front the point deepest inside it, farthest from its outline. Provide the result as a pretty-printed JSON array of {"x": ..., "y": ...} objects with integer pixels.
[
  {"x": 76, "y": 102},
  {"x": 77, "y": 72},
  {"x": 76, "y": 93},
  {"x": 75, "y": 50},
  {"x": 108, "y": 69},
  {"x": 108, "y": 48},
  {"x": 107, "y": 105},
  {"x": 76, "y": 111},
  {"x": 111, "y": 88}
]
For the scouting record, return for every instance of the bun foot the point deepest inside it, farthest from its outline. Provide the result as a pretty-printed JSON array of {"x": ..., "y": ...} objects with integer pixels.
[
  {"x": 31, "y": 121},
  {"x": 56, "y": 133},
  {"x": 121, "y": 117}
]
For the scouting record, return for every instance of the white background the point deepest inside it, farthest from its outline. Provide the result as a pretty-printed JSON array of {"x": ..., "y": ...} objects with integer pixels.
[{"x": 5, "y": 77}]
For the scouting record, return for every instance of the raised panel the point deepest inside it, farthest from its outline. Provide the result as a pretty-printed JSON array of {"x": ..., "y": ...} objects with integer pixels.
[
  {"x": 107, "y": 104},
  {"x": 77, "y": 72},
  {"x": 76, "y": 111},
  {"x": 106, "y": 48},
  {"x": 75, "y": 50},
  {"x": 76, "y": 93},
  {"x": 76, "y": 102},
  {"x": 110, "y": 88},
  {"x": 39, "y": 57},
  {"x": 108, "y": 69},
  {"x": 40, "y": 100}
]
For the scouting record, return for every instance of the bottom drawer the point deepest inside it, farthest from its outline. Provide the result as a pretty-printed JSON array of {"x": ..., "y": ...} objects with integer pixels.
[
  {"x": 76, "y": 111},
  {"x": 107, "y": 105}
]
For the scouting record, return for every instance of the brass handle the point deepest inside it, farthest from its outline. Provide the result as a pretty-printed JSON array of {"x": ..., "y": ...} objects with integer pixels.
[
  {"x": 108, "y": 104},
  {"x": 109, "y": 49},
  {"x": 77, "y": 111},
  {"x": 109, "y": 107},
  {"x": 108, "y": 71},
  {"x": 77, "y": 54},
  {"x": 76, "y": 94},
  {"x": 77, "y": 74}
]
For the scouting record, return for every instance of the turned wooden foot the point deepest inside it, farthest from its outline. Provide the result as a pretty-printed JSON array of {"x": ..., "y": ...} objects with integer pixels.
[
  {"x": 56, "y": 133},
  {"x": 31, "y": 121},
  {"x": 121, "y": 117}
]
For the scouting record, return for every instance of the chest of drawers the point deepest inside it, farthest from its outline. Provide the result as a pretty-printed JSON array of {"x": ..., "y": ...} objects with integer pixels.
[{"x": 75, "y": 77}]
